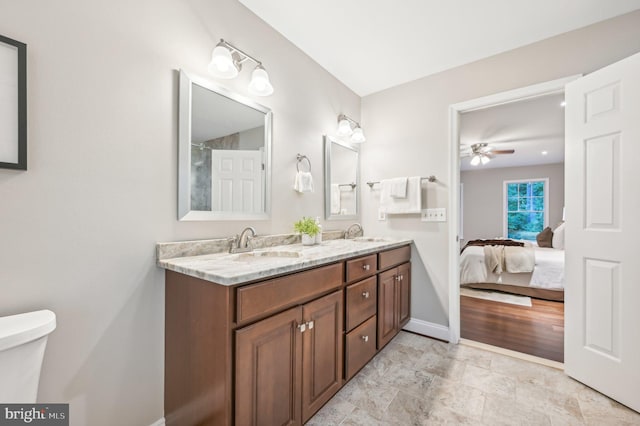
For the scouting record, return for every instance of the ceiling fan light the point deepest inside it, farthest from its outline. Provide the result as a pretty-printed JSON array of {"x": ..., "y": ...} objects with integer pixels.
[
  {"x": 222, "y": 64},
  {"x": 260, "y": 84},
  {"x": 484, "y": 159},
  {"x": 358, "y": 136},
  {"x": 475, "y": 160},
  {"x": 344, "y": 127}
]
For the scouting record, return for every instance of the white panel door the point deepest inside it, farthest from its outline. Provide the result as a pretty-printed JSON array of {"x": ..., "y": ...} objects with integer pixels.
[
  {"x": 237, "y": 178},
  {"x": 602, "y": 187}
]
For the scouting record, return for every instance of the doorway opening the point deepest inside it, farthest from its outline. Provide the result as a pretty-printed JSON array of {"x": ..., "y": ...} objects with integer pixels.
[{"x": 503, "y": 194}]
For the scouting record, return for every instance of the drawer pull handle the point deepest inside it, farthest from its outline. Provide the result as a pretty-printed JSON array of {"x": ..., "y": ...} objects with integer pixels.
[
  {"x": 302, "y": 327},
  {"x": 365, "y": 294},
  {"x": 365, "y": 338},
  {"x": 366, "y": 267}
]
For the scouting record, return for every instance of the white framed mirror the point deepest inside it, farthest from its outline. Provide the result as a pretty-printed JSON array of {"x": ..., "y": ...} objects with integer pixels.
[
  {"x": 224, "y": 154},
  {"x": 342, "y": 179}
]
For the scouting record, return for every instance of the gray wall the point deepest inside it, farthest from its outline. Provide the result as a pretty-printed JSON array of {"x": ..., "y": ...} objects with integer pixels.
[
  {"x": 78, "y": 229},
  {"x": 407, "y": 130},
  {"x": 483, "y": 209}
]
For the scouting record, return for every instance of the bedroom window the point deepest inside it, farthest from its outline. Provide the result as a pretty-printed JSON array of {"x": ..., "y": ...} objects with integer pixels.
[{"x": 525, "y": 208}]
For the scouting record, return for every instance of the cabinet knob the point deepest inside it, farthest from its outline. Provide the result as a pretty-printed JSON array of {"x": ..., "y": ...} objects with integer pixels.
[
  {"x": 310, "y": 325},
  {"x": 401, "y": 277},
  {"x": 302, "y": 327},
  {"x": 366, "y": 267},
  {"x": 365, "y": 338},
  {"x": 365, "y": 294},
  {"x": 397, "y": 277}
]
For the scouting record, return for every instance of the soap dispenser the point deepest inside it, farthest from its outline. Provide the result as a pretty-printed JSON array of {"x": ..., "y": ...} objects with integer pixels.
[{"x": 319, "y": 234}]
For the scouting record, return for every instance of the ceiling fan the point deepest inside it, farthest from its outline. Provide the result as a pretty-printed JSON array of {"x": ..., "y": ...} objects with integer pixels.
[{"x": 481, "y": 152}]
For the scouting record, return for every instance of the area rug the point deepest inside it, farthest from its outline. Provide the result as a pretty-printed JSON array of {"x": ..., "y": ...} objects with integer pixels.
[{"x": 496, "y": 296}]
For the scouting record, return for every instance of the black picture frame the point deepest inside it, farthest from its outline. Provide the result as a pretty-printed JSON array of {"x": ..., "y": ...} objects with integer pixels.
[{"x": 21, "y": 107}]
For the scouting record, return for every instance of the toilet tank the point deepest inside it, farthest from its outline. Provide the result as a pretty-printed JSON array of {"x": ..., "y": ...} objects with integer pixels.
[{"x": 23, "y": 338}]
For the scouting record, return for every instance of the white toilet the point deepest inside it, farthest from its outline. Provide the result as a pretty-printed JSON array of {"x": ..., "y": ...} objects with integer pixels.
[{"x": 23, "y": 339}]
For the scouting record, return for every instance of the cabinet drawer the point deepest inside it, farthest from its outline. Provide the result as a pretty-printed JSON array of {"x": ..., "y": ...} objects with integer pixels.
[
  {"x": 360, "y": 347},
  {"x": 394, "y": 257},
  {"x": 361, "y": 301},
  {"x": 361, "y": 267},
  {"x": 258, "y": 300}
]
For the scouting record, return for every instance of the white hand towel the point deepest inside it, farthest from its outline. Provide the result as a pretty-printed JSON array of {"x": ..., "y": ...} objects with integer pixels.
[
  {"x": 411, "y": 204},
  {"x": 335, "y": 198},
  {"x": 303, "y": 182},
  {"x": 398, "y": 187}
]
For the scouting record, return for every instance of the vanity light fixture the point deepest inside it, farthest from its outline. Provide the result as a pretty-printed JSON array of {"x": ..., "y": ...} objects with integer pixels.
[
  {"x": 349, "y": 127},
  {"x": 226, "y": 62}
]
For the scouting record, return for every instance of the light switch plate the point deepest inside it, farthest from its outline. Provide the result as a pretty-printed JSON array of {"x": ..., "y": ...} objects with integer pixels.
[{"x": 434, "y": 215}]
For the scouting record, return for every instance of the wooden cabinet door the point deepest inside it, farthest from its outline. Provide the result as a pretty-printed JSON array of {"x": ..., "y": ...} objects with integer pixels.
[
  {"x": 404, "y": 298},
  {"x": 269, "y": 371},
  {"x": 322, "y": 352},
  {"x": 387, "y": 307}
]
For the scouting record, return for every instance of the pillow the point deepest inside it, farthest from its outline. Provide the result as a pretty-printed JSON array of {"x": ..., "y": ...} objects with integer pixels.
[
  {"x": 545, "y": 238},
  {"x": 558, "y": 237}
]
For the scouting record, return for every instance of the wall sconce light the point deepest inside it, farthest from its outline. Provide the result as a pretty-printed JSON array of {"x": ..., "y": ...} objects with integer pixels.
[
  {"x": 349, "y": 127},
  {"x": 226, "y": 62}
]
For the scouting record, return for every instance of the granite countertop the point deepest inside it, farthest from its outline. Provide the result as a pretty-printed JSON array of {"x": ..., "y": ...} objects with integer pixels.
[{"x": 231, "y": 269}]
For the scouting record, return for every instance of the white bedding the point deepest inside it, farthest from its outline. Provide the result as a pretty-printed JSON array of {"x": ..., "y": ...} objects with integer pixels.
[{"x": 548, "y": 273}]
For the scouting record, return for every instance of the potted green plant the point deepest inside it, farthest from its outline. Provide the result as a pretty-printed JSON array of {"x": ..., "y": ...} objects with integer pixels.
[{"x": 308, "y": 228}]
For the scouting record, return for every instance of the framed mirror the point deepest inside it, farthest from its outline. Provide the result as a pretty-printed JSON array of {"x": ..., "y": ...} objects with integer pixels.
[
  {"x": 342, "y": 179},
  {"x": 224, "y": 154}
]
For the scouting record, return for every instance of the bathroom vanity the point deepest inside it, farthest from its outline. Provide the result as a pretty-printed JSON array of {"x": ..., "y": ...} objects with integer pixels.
[{"x": 268, "y": 337}]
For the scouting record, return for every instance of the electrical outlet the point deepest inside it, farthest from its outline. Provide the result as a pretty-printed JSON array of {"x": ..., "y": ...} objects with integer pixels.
[{"x": 382, "y": 216}]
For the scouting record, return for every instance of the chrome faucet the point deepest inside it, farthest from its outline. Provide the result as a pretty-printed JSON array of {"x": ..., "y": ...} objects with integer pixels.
[
  {"x": 353, "y": 231},
  {"x": 240, "y": 244}
]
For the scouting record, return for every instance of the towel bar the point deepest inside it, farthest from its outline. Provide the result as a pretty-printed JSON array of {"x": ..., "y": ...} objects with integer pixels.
[
  {"x": 351, "y": 185},
  {"x": 431, "y": 178}
]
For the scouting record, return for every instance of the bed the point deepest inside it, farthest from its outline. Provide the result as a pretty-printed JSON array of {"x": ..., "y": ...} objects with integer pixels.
[{"x": 546, "y": 281}]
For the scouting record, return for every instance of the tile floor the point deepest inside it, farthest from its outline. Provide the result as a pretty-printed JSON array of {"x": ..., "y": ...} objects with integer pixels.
[{"x": 420, "y": 381}]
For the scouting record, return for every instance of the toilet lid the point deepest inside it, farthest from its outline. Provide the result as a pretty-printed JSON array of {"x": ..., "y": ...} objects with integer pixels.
[{"x": 22, "y": 328}]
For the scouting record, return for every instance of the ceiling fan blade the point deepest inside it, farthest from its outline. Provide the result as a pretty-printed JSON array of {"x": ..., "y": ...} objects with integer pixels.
[{"x": 502, "y": 151}]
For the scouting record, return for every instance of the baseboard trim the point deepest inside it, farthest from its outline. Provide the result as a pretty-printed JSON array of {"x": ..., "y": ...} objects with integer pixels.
[
  {"x": 159, "y": 422},
  {"x": 427, "y": 328}
]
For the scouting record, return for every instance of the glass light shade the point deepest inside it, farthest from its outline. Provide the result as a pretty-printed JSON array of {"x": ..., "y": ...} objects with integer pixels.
[
  {"x": 260, "y": 84},
  {"x": 344, "y": 128},
  {"x": 358, "y": 136},
  {"x": 484, "y": 159},
  {"x": 222, "y": 65},
  {"x": 475, "y": 160}
]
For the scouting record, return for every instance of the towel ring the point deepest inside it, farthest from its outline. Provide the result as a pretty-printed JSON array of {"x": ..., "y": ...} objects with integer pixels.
[{"x": 301, "y": 158}]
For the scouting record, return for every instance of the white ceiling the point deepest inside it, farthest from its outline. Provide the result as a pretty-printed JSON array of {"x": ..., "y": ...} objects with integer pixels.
[
  {"x": 529, "y": 127},
  {"x": 371, "y": 45}
]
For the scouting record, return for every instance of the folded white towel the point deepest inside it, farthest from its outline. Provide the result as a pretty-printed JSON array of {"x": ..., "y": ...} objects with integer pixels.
[
  {"x": 397, "y": 187},
  {"x": 303, "y": 182},
  {"x": 411, "y": 204},
  {"x": 335, "y": 198}
]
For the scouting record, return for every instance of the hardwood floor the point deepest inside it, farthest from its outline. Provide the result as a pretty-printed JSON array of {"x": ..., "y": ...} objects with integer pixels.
[{"x": 537, "y": 330}]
